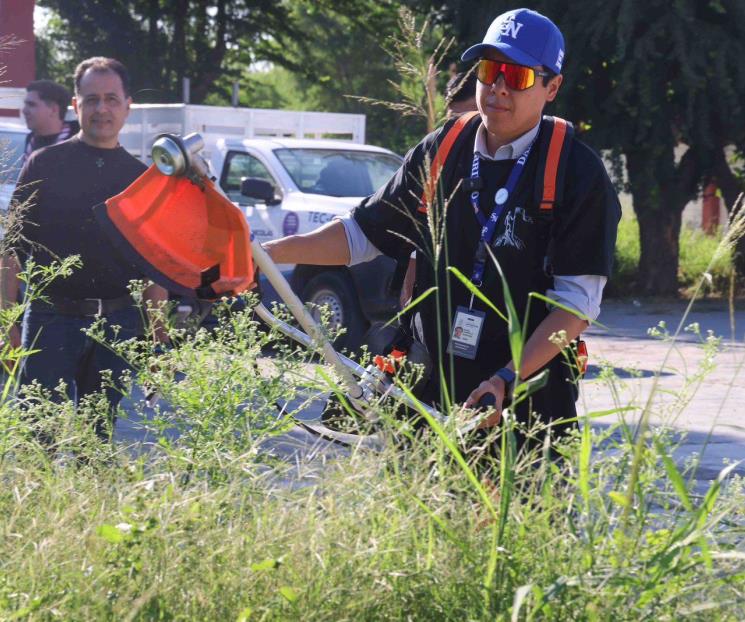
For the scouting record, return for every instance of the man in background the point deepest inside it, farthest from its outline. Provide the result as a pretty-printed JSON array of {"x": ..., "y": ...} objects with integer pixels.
[
  {"x": 60, "y": 185},
  {"x": 460, "y": 93},
  {"x": 44, "y": 109}
]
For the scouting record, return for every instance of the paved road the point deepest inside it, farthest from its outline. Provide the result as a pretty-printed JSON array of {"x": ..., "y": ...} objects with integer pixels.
[
  {"x": 708, "y": 407},
  {"x": 709, "y": 410}
]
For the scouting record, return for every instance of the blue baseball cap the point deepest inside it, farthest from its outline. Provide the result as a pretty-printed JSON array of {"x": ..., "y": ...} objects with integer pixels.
[{"x": 525, "y": 37}]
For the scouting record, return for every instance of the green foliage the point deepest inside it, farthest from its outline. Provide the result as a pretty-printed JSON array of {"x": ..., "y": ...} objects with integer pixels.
[
  {"x": 623, "y": 281},
  {"x": 696, "y": 252},
  {"x": 626, "y": 262},
  {"x": 188, "y": 39},
  {"x": 179, "y": 533},
  {"x": 417, "y": 52},
  {"x": 297, "y": 55},
  {"x": 274, "y": 87},
  {"x": 342, "y": 57}
]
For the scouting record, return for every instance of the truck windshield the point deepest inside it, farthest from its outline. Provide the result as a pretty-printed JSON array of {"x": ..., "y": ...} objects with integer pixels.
[{"x": 338, "y": 173}]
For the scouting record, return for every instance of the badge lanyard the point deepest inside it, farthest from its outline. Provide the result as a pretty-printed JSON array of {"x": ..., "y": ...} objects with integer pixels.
[{"x": 489, "y": 225}]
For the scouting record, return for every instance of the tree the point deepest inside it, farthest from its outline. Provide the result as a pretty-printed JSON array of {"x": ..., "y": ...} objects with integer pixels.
[
  {"x": 327, "y": 50},
  {"x": 342, "y": 57},
  {"x": 654, "y": 76},
  {"x": 162, "y": 41},
  {"x": 643, "y": 77}
]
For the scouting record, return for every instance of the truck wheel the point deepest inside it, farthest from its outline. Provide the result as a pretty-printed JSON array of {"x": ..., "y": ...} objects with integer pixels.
[{"x": 334, "y": 290}]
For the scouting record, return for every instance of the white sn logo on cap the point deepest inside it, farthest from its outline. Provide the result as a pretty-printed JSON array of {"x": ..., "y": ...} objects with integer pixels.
[{"x": 510, "y": 28}]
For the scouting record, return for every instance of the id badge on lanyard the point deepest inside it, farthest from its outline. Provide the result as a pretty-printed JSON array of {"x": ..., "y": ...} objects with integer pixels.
[
  {"x": 467, "y": 327},
  {"x": 468, "y": 323}
]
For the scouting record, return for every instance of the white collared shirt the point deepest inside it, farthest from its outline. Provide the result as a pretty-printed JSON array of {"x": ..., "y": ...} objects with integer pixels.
[
  {"x": 582, "y": 293},
  {"x": 510, "y": 151}
]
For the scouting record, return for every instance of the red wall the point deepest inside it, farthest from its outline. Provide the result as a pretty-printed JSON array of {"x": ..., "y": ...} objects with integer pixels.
[{"x": 17, "y": 19}]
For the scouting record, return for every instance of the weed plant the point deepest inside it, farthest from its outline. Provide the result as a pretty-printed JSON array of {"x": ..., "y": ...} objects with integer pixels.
[
  {"x": 215, "y": 520},
  {"x": 197, "y": 527}
]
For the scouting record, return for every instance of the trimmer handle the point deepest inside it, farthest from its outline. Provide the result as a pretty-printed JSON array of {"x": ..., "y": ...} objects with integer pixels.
[{"x": 488, "y": 400}]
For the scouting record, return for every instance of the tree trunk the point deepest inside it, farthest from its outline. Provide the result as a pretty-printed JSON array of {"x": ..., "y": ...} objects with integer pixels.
[
  {"x": 658, "y": 209},
  {"x": 659, "y": 232},
  {"x": 179, "y": 61},
  {"x": 212, "y": 66}
]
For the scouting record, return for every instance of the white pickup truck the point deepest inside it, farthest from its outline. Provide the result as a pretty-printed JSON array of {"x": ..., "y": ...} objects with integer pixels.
[
  {"x": 282, "y": 171},
  {"x": 288, "y": 186},
  {"x": 12, "y": 144}
]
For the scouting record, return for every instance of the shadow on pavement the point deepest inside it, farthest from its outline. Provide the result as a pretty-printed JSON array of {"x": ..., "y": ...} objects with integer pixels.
[{"x": 594, "y": 371}]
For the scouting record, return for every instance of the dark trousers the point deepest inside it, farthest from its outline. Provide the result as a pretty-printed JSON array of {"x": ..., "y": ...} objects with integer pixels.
[{"x": 67, "y": 354}]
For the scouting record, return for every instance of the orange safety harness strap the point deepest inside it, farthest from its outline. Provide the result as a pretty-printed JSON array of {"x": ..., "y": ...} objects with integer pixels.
[
  {"x": 441, "y": 156},
  {"x": 551, "y": 170},
  {"x": 553, "y": 158}
]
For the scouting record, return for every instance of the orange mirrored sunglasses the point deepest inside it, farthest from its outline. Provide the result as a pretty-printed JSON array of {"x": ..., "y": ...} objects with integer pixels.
[{"x": 516, "y": 77}]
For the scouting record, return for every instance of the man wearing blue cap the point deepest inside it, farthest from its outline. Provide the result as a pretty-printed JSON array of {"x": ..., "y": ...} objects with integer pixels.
[{"x": 487, "y": 203}]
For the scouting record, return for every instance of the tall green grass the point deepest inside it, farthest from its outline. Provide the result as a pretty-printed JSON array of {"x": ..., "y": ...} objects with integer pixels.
[
  {"x": 369, "y": 536},
  {"x": 214, "y": 525}
]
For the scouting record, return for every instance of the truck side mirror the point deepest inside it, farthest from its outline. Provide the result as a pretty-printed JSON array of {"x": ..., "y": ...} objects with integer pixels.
[{"x": 261, "y": 189}]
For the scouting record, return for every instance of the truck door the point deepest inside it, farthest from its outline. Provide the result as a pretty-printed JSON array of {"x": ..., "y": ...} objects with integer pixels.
[{"x": 264, "y": 220}]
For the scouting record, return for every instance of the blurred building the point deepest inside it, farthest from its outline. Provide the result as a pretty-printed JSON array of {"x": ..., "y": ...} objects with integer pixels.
[{"x": 17, "y": 56}]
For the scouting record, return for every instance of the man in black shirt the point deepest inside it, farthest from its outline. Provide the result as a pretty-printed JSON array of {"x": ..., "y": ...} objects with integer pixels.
[
  {"x": 567, "y": 258},
  {"x": 61, "y": 184},
  {"x": 44, "y": 109}
]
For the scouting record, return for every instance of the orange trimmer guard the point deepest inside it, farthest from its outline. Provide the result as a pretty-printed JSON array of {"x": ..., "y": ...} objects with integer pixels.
[{"x": 184, "y": 236}]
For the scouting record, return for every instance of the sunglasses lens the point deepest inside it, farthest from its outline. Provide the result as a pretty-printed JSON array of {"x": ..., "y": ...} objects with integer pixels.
[
  {"x": 516, "y": 77},
  {"x": 487, "y": 71}
]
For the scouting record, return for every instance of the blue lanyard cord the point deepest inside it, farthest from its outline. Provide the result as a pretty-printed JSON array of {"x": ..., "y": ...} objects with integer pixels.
[{"x": 489, "y": 225}]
